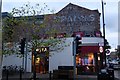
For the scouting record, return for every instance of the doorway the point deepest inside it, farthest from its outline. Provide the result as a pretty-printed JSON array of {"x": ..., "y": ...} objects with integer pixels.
[{"x": 41, "y": 64}]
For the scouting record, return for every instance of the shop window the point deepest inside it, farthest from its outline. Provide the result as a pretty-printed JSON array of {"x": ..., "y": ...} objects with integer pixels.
[
  {"x": 85, "y": 59},
  {"x": 86, "y": 62}
]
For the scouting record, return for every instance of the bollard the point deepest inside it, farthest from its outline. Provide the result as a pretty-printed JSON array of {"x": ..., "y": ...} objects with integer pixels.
[
  {"x": 103, "y": 75},
  {"x": 20, "y": 74},
  {"x": 50, "y": 76},
  {"x": 7, "y": 73},
  {"x": 111, "y": 73}
]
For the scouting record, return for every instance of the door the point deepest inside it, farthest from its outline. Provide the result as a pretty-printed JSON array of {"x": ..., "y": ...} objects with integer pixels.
[{"x": 41, "y": 64}]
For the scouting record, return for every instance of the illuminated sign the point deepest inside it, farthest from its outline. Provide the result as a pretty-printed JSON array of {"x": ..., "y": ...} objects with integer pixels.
[
  {"x": 101, "y": 49},
  {"x": 42, "y": 49}
]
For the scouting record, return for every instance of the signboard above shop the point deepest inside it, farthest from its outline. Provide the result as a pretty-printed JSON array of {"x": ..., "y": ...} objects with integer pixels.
[
  {"x": 78, "y": 34},
  {"x": 97, "y": 40}
]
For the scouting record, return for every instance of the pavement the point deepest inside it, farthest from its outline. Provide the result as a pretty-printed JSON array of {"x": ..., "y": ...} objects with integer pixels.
[{"x": 28, "y": 76}]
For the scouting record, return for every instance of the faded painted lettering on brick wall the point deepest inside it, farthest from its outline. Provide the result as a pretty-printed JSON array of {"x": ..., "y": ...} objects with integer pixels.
[{"x": 74, "y": 18}]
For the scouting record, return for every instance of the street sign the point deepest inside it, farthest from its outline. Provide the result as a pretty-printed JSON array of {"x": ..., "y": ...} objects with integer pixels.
[
  {"x": 107, "y": 52},
  {"x": 101, "y": 44}
]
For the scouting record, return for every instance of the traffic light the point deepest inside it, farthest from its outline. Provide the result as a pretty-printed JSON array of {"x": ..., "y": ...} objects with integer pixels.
[
  {"x": 78, "y": 45},
  {"x": 22, "y": 45}
]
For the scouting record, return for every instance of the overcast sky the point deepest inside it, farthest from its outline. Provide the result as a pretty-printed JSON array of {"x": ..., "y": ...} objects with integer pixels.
[{"x": 110, "y": 10}]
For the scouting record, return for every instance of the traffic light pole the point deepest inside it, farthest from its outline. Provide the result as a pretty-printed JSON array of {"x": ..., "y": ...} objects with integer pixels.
[
  {"x": 34, "y": 74},
  {"x": 22, "y": 46},
  {"x": 26, "y": 55},
  {"x": 23, "y": 62}
]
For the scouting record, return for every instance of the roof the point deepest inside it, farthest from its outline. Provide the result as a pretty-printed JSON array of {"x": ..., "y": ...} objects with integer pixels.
[
  {"x": 5, "y": 14},
  {"x": 79, "y": 7}
]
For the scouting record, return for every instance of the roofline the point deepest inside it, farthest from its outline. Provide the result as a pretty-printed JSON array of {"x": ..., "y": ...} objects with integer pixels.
[{"x": 96, "y": 10}]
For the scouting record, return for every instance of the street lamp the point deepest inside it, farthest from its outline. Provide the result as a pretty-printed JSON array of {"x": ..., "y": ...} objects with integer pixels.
[
  {"x": 37, "y": 50},
  {"x": 103, "y": 33}
]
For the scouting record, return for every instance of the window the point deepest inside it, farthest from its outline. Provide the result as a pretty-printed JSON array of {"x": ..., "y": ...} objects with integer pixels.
[{"x": 86, "y": 62}]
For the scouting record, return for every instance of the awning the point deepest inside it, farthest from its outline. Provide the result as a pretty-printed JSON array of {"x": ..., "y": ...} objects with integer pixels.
[{"x": 90, "y": 49}]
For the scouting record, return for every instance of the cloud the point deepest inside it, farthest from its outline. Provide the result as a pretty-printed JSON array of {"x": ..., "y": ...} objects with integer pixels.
[
  {"x": 59, "y": 0},
  {"x": 111, "y": 22},
  {"x": 111, "y": 16},
  {"x": 112, "y": 38}
]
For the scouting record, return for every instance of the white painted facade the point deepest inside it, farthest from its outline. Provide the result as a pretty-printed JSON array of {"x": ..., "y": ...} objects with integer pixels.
[
  {"x": 98, "y": 40},
  {"x": 62, "y": 58},
  {"x": 17, "y": 61}
]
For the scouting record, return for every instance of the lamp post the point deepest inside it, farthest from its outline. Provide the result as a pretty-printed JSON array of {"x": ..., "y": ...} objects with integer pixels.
[
  {"x": 103, "y": 33},
  {"x": 1, "y": 44}
]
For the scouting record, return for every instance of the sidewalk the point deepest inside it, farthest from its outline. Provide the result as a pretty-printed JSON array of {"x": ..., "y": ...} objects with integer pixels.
[
  {"x": 86, "y": 77},
  {"x": 25, "y": 76},
  {"x": 78, "y": 77},
  {"x": 28, "y": 76}
]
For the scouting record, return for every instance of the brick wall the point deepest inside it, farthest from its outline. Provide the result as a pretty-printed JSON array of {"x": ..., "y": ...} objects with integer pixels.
[{"x": 74, "y": 18}]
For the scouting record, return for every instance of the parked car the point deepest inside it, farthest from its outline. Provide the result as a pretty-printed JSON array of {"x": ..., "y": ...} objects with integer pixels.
[
  {"x": 115, "y": 62},
  {"x": 116, "y": 66},
  {"x": 118, "y": 61}
]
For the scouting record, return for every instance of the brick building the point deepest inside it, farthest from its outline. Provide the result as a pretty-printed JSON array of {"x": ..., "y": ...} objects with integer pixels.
[
  {"x": 71, "y": 21},
  {"x": 74, "y": 18}
]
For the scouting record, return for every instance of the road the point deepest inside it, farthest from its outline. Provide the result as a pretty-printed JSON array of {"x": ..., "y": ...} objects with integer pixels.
[{"x": 117, "y": 74}]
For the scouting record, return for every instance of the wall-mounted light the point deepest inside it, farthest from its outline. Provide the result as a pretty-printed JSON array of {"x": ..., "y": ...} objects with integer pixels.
[
  {"x": 37, "y": 50},
  {"x": 98, "y": 58}
]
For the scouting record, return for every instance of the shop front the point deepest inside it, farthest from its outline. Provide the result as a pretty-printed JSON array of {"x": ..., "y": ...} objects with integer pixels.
[
  {"x": 88, "y": 62},
  {"x": 41, "y": 61},
  {"x": 41, "y": 65}
]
